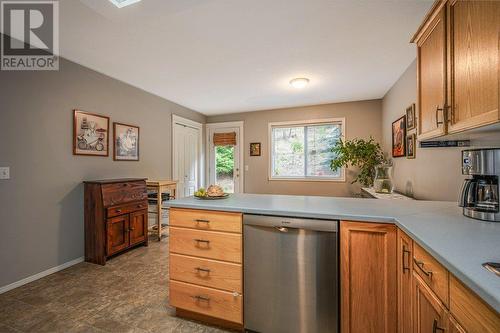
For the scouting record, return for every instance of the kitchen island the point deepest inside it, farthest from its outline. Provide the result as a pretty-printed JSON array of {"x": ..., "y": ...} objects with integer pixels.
[{"x": 458, "y": 243}]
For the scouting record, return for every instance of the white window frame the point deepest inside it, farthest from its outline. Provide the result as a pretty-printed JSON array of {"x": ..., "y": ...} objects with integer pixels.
[{"x": 309, "y": 122}]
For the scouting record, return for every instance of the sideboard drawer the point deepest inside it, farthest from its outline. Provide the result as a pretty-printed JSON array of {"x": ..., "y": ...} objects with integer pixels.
[
  {"x": 211, "y": 302},
  {"x": 206, "y": 272},
  {"x": 206, "y": 244},
  {"x": 126, "y": 208},
  {"x": 432, "y": 272},
  {"x": 119, "y": 193},
  {"x": 206, "y": 220}
]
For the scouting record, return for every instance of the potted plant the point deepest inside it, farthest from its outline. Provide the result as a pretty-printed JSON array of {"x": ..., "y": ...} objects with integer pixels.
[{"x": 360, "y": 153}]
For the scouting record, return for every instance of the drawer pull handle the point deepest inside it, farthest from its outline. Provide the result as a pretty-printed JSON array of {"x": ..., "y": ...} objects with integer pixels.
[
  {"x": 201, "y": 298},
  {"x": 436, "y": 328},
  {"x": 420, "y": 265},
  {"x": 202, "y": 221},
  {"x": 139, "y": 206},
  {"x": 199, "y": 269},
  {"x": 405, "y": 267},
  {"x": 118, "y": 210},
  {"x": 131, "y": 229},
  {"x": 202, "y": 241}
]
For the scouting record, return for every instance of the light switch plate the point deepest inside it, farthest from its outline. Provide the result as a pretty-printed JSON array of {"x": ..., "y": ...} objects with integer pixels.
[{"x": 4, "y": 173}]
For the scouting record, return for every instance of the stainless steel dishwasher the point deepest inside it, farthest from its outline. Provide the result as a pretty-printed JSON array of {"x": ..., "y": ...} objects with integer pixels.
[{"x": 291, "y": 279}]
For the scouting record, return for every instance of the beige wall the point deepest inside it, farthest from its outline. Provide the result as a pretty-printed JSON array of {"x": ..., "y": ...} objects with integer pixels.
[
  {"x": 435, "y": 172},
  {"x": 41, "y": 206},
  {"x": 363, "y": 119}
]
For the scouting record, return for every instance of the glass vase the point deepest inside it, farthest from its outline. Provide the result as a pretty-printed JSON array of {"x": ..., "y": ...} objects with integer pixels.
[{"x": 383, "y": 179}]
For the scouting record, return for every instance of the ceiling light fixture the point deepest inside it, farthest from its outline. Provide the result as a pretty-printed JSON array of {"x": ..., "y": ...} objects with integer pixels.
[
  {"x": 123, "y": 3},
  {"x": 299, "y": 83}
]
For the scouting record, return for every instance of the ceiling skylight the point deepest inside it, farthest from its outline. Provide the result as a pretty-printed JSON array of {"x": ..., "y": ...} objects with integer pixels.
[{"x": 123, "y": 3}]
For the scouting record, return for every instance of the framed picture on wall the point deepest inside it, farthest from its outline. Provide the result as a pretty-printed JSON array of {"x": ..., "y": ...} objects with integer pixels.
[
  {"x": 90, "y": 134},
  {"x": 126, "y": 142},
  {"x": 411, "y": 146},
  {"x": 399, "y": 137},
  {"x": 411, "y": 119},
  {"x": 255, "y": 149}
]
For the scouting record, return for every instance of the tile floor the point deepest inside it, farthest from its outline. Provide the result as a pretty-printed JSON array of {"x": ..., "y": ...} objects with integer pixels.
[{"x": 129, "y": 294}]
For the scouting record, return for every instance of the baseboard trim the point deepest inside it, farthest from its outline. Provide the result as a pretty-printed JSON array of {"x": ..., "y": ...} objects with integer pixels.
[{"x": 40, "y": 275}]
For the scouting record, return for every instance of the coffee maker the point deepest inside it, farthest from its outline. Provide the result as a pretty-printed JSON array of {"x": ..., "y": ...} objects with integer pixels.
[{"x": 479, "y": 196}]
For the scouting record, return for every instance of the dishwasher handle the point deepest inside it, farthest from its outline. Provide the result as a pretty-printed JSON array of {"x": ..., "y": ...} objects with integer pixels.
[{"x": 283, "y": 223}]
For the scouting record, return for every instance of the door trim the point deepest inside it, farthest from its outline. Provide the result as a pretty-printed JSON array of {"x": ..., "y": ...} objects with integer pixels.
[
  {"x": 240, "y": 125},
  {"x": 201, "y": 152}
]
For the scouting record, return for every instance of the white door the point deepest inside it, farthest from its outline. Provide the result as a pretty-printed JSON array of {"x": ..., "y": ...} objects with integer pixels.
[
  {"x": 186, "y": 155},
  {"x": 224, "y": 162}
]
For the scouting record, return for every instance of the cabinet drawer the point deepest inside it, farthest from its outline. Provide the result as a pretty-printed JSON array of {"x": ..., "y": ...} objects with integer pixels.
[
  {"x": 127, "y": 208},
  {"x": 432, "y": 272},
  {"x": 215, "y": 303},
  {"x": 206, "y": 272},
  {"x": 206, "y": 220},
  {"x": 470, "y": 311},
  {"x": 206, "y": 244},
  {"x": 118, "y": 193}
]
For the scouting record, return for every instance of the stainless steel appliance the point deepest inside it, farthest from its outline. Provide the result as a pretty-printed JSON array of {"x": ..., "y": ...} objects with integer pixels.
[
  {"x": 479, "y": 196},
  {"x": 291, "y": 275}
]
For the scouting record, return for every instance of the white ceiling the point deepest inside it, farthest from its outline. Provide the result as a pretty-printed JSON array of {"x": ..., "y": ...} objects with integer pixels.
[{"x": 225, "y": 56}]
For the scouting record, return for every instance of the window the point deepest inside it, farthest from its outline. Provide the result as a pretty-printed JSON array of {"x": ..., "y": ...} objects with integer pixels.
[{"x": 302, "y": 150}]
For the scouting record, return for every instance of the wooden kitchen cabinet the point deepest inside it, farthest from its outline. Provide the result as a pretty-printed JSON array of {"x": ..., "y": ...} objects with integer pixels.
[
  {"x": 457, "y": 67},
  {"x": 116, "y": 217},
  {"x": 473, "y": 39},
  {"x": 454, "y": 326},
  {"x": 431, "y": 72},
  {"x": 368, "y": 277},
  {"x": 404, "y": 267},
  {"x": 429, "y": 314},
  {"x": 206, "y": 271}
]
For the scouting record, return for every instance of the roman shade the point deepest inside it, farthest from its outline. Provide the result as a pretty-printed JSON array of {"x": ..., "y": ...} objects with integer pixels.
[{"x": 225, "y": 139}]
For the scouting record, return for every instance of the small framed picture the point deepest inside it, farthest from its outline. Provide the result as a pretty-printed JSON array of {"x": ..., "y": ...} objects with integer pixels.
[
  {"x": 411, "y": 145},
  {"x": 126, "y": 142},
  {"x": 90, "y": 134},
  {"x": 399, "y": 137},
  {"x": 411, "y": 119},
  {"x": 255, "y": 149}
]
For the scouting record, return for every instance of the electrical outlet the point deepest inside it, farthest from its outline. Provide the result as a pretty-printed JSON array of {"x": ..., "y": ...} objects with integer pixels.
[
  {"x": 246, "y": 167},
  {"x": 4, "y": 173}
]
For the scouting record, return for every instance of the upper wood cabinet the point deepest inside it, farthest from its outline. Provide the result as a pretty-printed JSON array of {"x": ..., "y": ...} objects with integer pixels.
[
  {"x": 431, "y": 50},
  {"x": 457, "y": 74},
  {"x": 474, "y": 28},
  {"x": 368, "y": 277}
]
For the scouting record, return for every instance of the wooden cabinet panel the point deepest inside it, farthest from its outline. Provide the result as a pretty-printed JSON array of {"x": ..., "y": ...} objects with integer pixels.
[
  {"x": 432, "y": 272},
  {"x": 431, "y": 62},
  {"x": 138, "y": 227},
  {"x": 429, "y": 315},
  {"x": 118, "y": 193},
  {"x": 206, "y": 272},
  {"x": 127, "y": 208},
  {"x": 473, "y": 40},
  {"x": 211, "y": 302},
  {"x": 454, "y": 326},
  {"x": 117, "y": 234},
  {"x": 470, "y": 311},
  {"x": 206, "y": 220},
  {"x": 368, "y": 277},
  {"x": 405, "y": 255},
  {"x": 206, "y": 244}
]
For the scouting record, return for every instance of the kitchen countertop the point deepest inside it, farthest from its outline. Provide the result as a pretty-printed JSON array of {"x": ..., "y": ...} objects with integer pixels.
[{"x": 459, "y": 243}]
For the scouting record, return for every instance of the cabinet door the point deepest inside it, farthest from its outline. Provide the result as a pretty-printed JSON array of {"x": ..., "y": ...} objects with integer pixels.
[
  {"x": 473, "y": 41},
  {"x": 138, "y": 227},
  {"x": 429, "y": 315},
  {"x": 431, "y": 72},
  {"x": 368, "y": 277},
  {"x": 117, "y": 234},
  {"x": 405, "y": 255}
]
